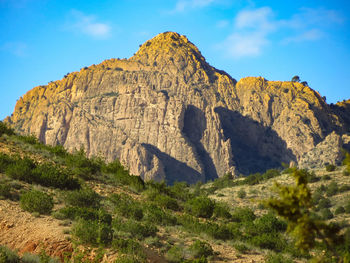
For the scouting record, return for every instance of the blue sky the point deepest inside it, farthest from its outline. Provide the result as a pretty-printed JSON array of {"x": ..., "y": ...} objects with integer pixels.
[{"x": 42, "y": 40}]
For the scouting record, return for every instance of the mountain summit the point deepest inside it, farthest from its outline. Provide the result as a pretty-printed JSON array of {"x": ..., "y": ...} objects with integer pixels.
[{"x": 168, "y": 115}]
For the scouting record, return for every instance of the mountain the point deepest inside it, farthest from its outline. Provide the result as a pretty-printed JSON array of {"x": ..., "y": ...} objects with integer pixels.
[{"x": 168, "y": 115}]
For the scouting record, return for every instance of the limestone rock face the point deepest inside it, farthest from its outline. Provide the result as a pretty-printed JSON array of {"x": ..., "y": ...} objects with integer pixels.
[
  {"x": 168, "y": 115},
  {"x": 329, "y": 151}
]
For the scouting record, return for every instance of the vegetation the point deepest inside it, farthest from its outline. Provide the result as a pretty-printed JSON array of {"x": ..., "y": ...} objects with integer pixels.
[
  {"x": 295, "y": 205},
  {"x": 36, "y": 201},
  {"x": 110, "y": 210}
]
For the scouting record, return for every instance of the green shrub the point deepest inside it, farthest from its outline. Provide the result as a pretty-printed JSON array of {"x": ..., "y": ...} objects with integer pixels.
[
  {"x": 127, "y": 207},
  {"x": 8, "y": 256},
  {"x": 241, "y": 193},
  {"x": 21, "y": 169},
  {"x": 86, "y": 213},
  {"x": 30, "y": 139},
  {"x": 166, "y": 202},
  {"x": 36, "y": 201},
  {"x": 200, "y": 249},
  {"x": 324, "y": 203},
  {"x": 135, "y": 228},
  {"x": 311, "y": 177},
  {"x": 344, "y": 188},
  {"x": 175, "y": 254},
  {"x": 221, "y": 210},
  {"x": 270, "y": 241},
  {"x": 330, "y": 167},
  {"x": 326, "y": 214},
  {"x": 277, "y": 258},
  {"x": 217, "y": 231},
  {"x": 4, "y": 129},
  {"x": 121, "y": 176},
  {"x": 5, "y": 161},
  {"x": 269, "y": 223},
  {"x": 200, "y": 206},
  {"x": 82, "y": 166},
  {"x": 326, "y": 177},
  {"x": 347, "y": 208},
  {"x": 128, "y": 246},
  {"x": 180, "y": 191},
  {"x": 129, "y": 259},
  {"x": 83, "y": 198},
  {"x": 92, "y": 232},
  {"x": 5, "y": 191},
  {"x": 51, "y": 175},
  {"x": 339, "y": 210},
  {"x": 242, "y": 248},
  {"x": 332, "y": 189},
  {"x": 317, "y": 197},
  {"x": 243, "y": 215},
  {"x": 154, "y": 214}
]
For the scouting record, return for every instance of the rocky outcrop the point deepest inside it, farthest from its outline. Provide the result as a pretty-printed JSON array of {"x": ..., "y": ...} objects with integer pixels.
[
  {"x": 168, "y": 115},
  {"x": 329, "y": 151}
]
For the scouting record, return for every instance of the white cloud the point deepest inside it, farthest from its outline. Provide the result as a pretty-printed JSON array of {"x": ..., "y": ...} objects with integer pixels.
[
  {"x": 183, "y": 5},
  {"x": 222, "y": 23},
  {"x": 253, "y": 29},
  {"x": 18, "y": 49},
  {"x": 311, "y": 35},
  {"x": 87, "y": 24}
]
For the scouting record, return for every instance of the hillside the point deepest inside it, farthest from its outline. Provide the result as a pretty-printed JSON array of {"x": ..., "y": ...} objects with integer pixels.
[
  {"x": 166, "y": 114},
  {"x": 67, "y": 206}
]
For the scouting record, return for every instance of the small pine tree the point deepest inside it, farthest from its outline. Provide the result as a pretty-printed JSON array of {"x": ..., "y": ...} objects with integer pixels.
[
  {"x": 296, "y": 79},
  {"x": 295, "y": 205}
]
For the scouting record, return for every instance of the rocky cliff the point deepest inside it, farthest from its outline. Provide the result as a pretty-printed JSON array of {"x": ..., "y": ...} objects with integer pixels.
[{"x": 167, "y": 114}]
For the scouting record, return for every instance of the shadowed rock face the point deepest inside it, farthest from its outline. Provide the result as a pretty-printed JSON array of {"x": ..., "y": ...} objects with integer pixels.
[{"x": 168, "y": 115}]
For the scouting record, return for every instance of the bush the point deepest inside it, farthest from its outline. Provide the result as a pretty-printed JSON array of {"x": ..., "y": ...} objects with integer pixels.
[
  {"x": 326, "y": 177},
  {"x": 5, "y": 161},
  {"x": 21, "y": 169},
  {"x": 128, "y": 246},
  {"x": 221, "y": 210},
  {"x": 166, "y": 202},
  {"x": 83, "y": 198},
  {"x": 127, "y": 207},
  {"x": 5, "y": 191},
  {"x": 200, "y": 249},
  {"x": 344, "y": 188},
  {"x": 122, "y": 176},
  {"x": 200, "y": 206},
  {"x": 51, "y": 175},
  {"x": 270, "y": 241},
  {"x": 36, "y": 201},
  {"x": 156, "y": 215},
  {"x": 330, "y": 167},
  {"x": 175, "y": 254},
  {"x": 332, "y": 189},
  {"x": 8, "y": 256},
  {"x": 241, "y": 193},
  {"x": 92, "y": 232},
  {"x": 277, "y": 258},
  {"x": 82, "y": 166},
  {"x": 326, "y": 214},
  {"x": 347, "y": 208},
  {"x": 4, "y": 129},
  {"x": 243, "y": 215},
  {"x": 86, "y": 213},
  {"x": 134, "y": 228},
  {"x": 339, "y": 210},
  {"x": 324, "y": 203}
]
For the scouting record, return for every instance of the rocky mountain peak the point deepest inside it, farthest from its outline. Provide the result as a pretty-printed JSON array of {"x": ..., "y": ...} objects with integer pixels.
[
  {"x": 168, "y": 115},
  {"x": 171, "y": 51}
]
